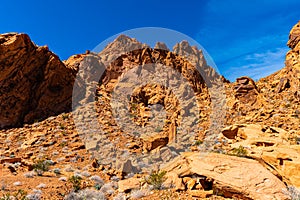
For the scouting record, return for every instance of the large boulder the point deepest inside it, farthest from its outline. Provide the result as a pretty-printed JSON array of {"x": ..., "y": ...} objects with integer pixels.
[{"x": 234, "y": 177}]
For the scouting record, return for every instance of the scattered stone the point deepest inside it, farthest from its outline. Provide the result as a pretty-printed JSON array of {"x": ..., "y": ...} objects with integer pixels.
[{"x": 129, "y": 184}]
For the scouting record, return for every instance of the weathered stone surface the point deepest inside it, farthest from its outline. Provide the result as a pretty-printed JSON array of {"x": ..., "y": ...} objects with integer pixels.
[
  {"x": 153, "y": 142},
  {"x": 161, "y": 45},
  {"x": 270, "y": 146},
  {"x": 129, "y": 184},
  {"x": 200, "y": 193},
  {"x": 286, "y": 161},
  {"x": 294, "y": 37},
  {"x": 126, "y": 167},
  {"x": 246, "y": 90},
  {"x": 173, "y": 181},
  {"x": 34, "y": 83},
  {"x": 233, "y": 176}
]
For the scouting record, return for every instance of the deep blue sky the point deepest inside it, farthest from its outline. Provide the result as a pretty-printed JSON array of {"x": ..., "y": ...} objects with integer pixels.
[{"x": 243, "y": 37}]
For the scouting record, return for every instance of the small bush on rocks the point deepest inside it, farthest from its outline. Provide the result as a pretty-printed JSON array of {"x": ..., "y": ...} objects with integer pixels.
[
  {"x": 40, "y": 167},
  {"x": 156, "y": 179}
]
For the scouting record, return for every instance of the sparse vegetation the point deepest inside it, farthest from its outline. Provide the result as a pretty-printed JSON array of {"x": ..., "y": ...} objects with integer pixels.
[
  {"x": 198, "y": 142},
  {"x": 85, "y": 194},
  {"x": 19, "y": 195},
  {"x": 241, "y": 152},
  {"x": 156, "y": 179},
  {"x": 40, "y": 167},
  {"x": 76, "y": 182}
]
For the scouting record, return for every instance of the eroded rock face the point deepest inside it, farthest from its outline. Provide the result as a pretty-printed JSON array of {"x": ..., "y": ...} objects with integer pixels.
[
  {"x": 34, "y": 83},
  {"x": 245, "y": 90},
  {"x": 294, "y": 37}
]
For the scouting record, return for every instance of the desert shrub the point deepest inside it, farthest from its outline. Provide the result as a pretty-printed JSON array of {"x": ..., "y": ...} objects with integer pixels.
[
  {"x": 98, "y": 182},
  {"x": 35, "y": 196},
  {"x": 198, "y": 142},
  {"x": 76, "y": 182},
  {"x": 19, "y": 195},
  {"x": 85, "y": 194},
  {"x": 40, "y": 167},
  {"x": 241, "y": 151},
  {"x": 156, "y": 179}
]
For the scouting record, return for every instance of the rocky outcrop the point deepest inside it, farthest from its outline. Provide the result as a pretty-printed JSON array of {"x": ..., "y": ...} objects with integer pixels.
[
  {"x": 294, "y": 37},
  {"x": 196, "y": 57},
  {"x": 245, "y": 90},
  {"x": 34, "y": 83},
  {"x": 272, "y": 147},
  {"x": 280, "y": 91},
  {"x": 231, "y": 176},
  {"x": 121, "y": 45},
  {"x": 161, "y": 45}
]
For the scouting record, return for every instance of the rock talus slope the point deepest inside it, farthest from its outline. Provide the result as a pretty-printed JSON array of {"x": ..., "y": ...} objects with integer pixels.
[{"x": 255, "y": 143}]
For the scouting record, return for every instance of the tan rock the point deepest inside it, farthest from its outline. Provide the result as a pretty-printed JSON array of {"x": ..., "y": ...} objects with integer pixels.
[
  {"x": 286, "y": 162},
  {"x": 152, "y": 142},
  {"x": 234, "y": 176},
  {"x": 174, "y": 181},
  {"x": 200, "y": 193},
  {"x": 129, "y": 184},
  {"x": 190, "y": 184}
]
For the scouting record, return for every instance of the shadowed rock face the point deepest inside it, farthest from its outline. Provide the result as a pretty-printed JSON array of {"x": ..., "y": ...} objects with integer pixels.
[{"x": 34, "y": 83}]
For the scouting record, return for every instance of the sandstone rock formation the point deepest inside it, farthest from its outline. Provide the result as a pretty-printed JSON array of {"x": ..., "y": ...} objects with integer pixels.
[
  {"x": 34, "y": 83},
  {"x": 259, "y": 152},
  {"x": 236, "y": 177},
  {"x": 245, "y": 90}
]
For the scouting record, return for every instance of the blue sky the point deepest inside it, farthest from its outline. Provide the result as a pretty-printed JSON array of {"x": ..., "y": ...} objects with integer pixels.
[{"x": 243, "y": 37}]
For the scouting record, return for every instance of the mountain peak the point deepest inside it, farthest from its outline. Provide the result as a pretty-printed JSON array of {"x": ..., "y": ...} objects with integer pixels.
[
  {"x": 161, "y": 45},
  {"x": 122, "y": 44}
]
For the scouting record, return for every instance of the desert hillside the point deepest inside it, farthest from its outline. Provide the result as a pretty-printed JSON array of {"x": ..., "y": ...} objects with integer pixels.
[{"x": 135, "y": 122}]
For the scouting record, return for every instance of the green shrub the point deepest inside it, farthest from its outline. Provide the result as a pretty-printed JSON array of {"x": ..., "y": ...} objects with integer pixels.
[
  {"x": 156, "y": 179},
  {"x": 241, "y": 152},
  {"x": 19, "y": 195},
  {"x": 40, "y": 167},
  {"x": 76, "y": 182},
  {"x": 198, "y": 142}
]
